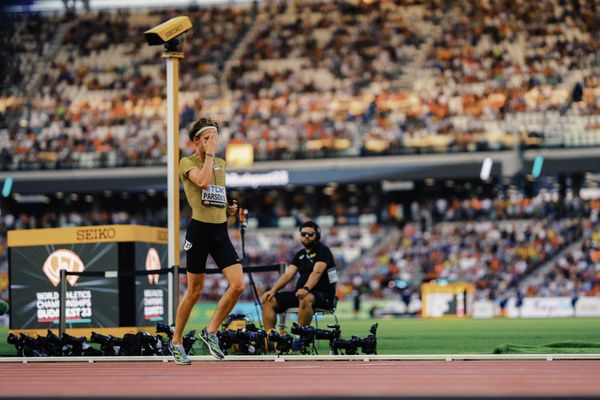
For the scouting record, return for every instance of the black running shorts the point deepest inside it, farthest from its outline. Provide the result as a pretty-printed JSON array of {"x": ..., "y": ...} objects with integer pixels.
[
  {"x": 287, "y": 300},
  {"x": 202, "y": 239}
]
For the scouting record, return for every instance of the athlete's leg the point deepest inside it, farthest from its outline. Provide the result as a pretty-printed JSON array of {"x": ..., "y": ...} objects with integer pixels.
[
  {"x": 193, "y": 293},
  {"x": 235, "y": 276}
]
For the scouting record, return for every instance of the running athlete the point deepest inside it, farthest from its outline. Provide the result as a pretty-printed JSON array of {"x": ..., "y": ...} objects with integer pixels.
[{"x": 203, "y": 177}]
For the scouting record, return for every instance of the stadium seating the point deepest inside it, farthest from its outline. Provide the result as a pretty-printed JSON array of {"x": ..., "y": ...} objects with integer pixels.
[
  {"x": 321, "y": 79},
  {"x": 306, "y": 80}
]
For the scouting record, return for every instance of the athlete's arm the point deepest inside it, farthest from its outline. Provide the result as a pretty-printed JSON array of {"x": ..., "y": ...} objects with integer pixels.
[{"x": 202, "y": 176}]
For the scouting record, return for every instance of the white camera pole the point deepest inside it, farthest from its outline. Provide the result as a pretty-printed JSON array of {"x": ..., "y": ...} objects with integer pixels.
[
  {"x": 172, "y": 55},
  {"x": 169, "y": 34}
]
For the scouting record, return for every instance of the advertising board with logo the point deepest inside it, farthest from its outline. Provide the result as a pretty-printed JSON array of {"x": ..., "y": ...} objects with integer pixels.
[
  {"x": 36, "y": 257},
  {"x": 151, "y": 290},
  {"x": 447, "y": 299},
  {"x": 35, "y": 280}
]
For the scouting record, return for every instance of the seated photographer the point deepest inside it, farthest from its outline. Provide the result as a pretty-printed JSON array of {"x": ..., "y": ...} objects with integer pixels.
[{"x": 315, "y": 287}]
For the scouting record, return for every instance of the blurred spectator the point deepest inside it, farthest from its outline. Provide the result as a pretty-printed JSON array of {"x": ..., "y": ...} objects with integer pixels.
[{"x": 307, "y": 80}]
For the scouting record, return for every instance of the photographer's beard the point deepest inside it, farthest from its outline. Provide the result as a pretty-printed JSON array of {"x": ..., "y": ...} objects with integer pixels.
[{"x": 309, "y": 245}]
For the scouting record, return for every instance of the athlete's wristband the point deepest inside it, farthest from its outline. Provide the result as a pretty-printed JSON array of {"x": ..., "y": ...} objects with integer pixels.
[
  {"x": 210, "y": 155},
  {"x": 306, "y": 288}
]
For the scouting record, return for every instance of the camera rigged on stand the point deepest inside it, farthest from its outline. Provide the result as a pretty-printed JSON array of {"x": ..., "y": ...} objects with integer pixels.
[
  {"x": 131, "y": 344},
  {"x": 238, "y": 336}
]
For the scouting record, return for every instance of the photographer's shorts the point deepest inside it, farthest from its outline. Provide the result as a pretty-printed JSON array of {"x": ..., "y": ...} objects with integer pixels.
[
  {"x": 287, "y": 300},
  {"x": 202, "y": 239}
]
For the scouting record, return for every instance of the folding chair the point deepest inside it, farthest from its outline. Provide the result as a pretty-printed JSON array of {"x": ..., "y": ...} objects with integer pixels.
[{"x": 319, "y": 312}]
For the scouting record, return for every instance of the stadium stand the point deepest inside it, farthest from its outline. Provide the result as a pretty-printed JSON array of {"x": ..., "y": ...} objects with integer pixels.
[
  {"x": 321, "y": 80},
  {"x": 298, "y": 82}
]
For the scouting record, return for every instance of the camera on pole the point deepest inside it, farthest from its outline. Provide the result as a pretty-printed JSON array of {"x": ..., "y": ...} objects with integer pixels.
[
  {"x": 168, "y": 34},
  {"x": 168, "y": 31}
]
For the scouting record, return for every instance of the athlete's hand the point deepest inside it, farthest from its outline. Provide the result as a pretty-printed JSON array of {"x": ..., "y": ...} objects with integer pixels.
[
  {"x": 268, "y": 295},
  {"x": 232, "y": 209},
  {"x": 211, "y": 144}
]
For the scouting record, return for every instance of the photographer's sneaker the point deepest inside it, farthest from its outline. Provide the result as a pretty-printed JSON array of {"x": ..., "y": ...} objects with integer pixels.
[
  {"x": 212, "y": 342},
  {"x": 179, "y": 354}
]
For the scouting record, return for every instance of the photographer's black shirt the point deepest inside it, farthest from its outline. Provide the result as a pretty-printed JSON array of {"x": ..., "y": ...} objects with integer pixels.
[{"x": 305, "y": 260}]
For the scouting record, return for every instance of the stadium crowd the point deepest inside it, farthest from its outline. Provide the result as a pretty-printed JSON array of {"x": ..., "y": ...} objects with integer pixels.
[
  {"x": 325, "y": 79},
  {"x": 576, "y": 273},
  {"x": 494, "y": 243},
  {"x": 307, "y": 79}
]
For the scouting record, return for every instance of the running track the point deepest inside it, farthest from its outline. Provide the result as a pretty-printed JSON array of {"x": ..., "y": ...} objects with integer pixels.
[{"x": 304, "y": 379}]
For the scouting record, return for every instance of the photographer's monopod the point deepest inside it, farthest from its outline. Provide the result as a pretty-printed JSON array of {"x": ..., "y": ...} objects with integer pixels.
[{"x": 242, "y": 217}]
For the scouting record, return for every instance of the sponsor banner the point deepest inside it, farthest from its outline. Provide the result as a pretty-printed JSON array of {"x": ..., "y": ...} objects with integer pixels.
[
  {"x": 377, "y": 309},
  {"x": 484, "y": 309},
  {"x": 151, "y": 291},
  {"x": 345, "y": 309},
  {"x": 203, "y": 312},
  {"x": 258, "y": 179},
  {"x": 549, "y": 307},
  {"x": 540, "y": 307},
  {"x": 87, "y": 234},
  {"x": 588, "y": 307},
  {"x": 34, "y": 286},
  {"x": 447, "y": 299}
]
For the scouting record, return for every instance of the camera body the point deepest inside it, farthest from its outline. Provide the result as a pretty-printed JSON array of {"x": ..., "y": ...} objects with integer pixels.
[
  {"x": 188, "y": 339},
  {"x": 245, "y": 341},
  {"x": 308, "y": 334},
  {"x": 78, "y": 346},
  {"x": 316, "y": 333},
  {"x": 283, "y": 342},
  {"x": 167, "y": 31},
  {"x": 368, "y": 345},
  {"x": 26, "y": 345},
  {"x": 53, "y": 346},
  {"x": 164, "y": 328},
  {"x": 109, "y": 345},
  {"x": 140, "y": 343}
]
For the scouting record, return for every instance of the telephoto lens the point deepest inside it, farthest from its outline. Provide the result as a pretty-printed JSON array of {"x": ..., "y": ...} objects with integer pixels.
[{"x": 282, "y": 343}]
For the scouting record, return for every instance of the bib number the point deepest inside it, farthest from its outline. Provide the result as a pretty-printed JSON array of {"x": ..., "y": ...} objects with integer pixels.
[{"x": 214, "y": 196}]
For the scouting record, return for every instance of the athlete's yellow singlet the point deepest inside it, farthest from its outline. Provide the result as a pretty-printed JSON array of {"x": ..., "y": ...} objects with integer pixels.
[{"x": 208, "y": 205}]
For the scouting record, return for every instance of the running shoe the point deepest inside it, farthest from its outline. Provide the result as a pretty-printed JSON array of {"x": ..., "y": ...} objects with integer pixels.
[
  {"x": 212, "y": 342},
  {"x": 179, "y": 354}
]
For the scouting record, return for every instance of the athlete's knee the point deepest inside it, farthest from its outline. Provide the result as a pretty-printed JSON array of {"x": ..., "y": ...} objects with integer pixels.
[
  {"x": 194, "y": 294},
  {"x": 237, "y": 286}
]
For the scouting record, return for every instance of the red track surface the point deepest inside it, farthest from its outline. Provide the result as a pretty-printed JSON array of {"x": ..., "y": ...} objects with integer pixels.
[{"x": 304, "y": 378}]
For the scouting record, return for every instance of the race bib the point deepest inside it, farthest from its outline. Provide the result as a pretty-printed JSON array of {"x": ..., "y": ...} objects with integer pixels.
[
  {"x": 214, "y": 196},
  {"x": 332, "y": 275}
]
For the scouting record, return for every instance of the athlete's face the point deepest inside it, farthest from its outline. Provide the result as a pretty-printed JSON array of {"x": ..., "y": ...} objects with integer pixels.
[
  {"x": 202, "y": 140},
  {"x": 308, "y": 237}
]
